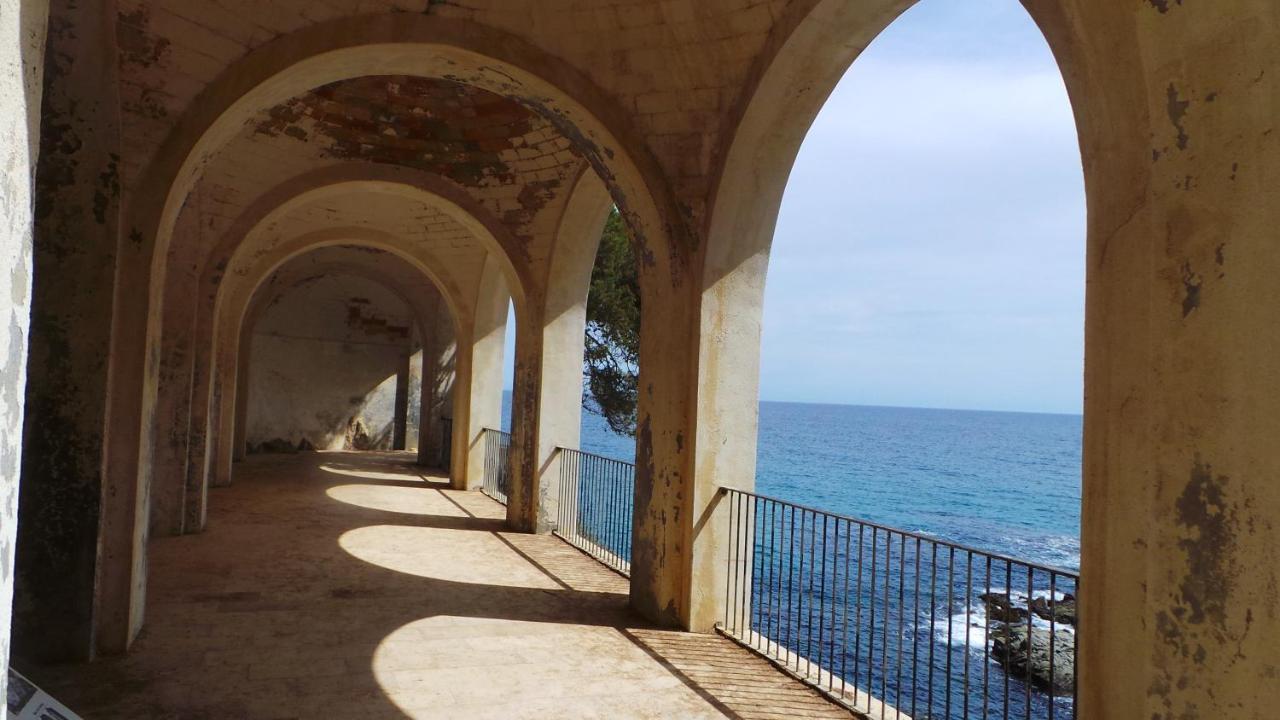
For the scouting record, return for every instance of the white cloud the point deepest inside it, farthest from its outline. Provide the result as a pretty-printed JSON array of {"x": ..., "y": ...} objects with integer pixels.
[{"x": 930, "y": 249}]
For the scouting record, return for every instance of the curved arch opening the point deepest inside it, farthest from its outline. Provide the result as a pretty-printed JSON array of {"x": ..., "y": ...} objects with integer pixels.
[
  {"x": 329, "y": 365},
  {"x": 946, "y": 272},
  {"x": 508, "y": 366},
  {"x": 380, "y": 46},
  {"x": 406, "y": 47},
  {"x": 429, "y": 345}
]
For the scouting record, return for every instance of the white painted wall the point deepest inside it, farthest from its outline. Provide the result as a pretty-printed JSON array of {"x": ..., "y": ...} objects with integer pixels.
[
  {"x": 22, "y": 36},
  {"x": 325, "y": 354}
]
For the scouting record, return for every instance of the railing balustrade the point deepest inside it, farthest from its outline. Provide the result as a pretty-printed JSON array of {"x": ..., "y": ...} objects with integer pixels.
[
  {"x": 497, "y": 465},
  {"x": 596, "y": 501},
  {"x": 897, "y": 624},
  {"x": 893, "y": 624}
]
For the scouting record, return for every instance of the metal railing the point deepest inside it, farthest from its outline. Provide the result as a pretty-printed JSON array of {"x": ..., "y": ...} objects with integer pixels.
[
  {"x": 596, "y": 501},
  {"x": 446, "y": 443},
  {"x": 497, "y": 465},
  {"x": 898, "y": 624}
]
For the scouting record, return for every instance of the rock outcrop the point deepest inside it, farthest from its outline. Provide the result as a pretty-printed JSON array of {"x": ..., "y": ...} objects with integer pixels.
[
  {"x": 1034, "y": 640},
  {"x": 1046, "y": 659}
]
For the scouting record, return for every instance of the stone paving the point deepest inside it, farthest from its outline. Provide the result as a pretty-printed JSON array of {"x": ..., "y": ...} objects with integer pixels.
[{"x": 344, "y": 585}]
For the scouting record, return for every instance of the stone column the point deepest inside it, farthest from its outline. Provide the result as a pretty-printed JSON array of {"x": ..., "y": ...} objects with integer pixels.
[
  {"x": 61, "y": 566},
  {"x": 438, "y": 350},
  {"x": 1179, "y": 534},
  {"x": 480, "y": 376},
  {"x": 195, "y": 499},
  {"x": 22, "y": 25},
  {"x": 172, "y": 422},
  {"x": 673, "y": 548},
  {"x": 222, "y": 408},
  {"x": 556, "y": 379},
  {"x": 400, "y": 422},
  {"x": 428, "y": 425},
  {"x": 525, "y": 501},
  {"x": 244, "y": 362}
]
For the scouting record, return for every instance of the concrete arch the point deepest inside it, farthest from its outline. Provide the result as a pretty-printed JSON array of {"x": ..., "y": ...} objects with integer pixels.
[
  {"x": 809, "y": 53},
  {"x": 421, "y": 303},
  {"x": 480, "y": 375},
  {"x": 398, "y": 43},
  {"x": 259, "y": 300},
  {"x": 412, "y": 184},
  {"x": 402, "y": 44},
  {"x": 249, "y": 271},
  {"x": 406, "y": 45},
  {"x": 297, "y": 191},
  {"x": 278, "y": 286},
  {"x": 559, "y": 347},
  {"x": 816, "y": 48},
  {"x": 1117, "y": 61},
  {"x": 234, "y": 297}
]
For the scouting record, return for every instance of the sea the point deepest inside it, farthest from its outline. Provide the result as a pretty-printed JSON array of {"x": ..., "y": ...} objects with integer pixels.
[
  {"x": 1002, "y": 482},
  {"x": 1005, "y": 482}
]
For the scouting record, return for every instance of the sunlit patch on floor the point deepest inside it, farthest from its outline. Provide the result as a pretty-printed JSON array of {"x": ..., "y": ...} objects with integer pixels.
[
  {"x": 458, "y": 555},
  {"x": 395, "y": 498},
  {"x": 311, "y": 596},
  {"x": 398, "y": 476}
]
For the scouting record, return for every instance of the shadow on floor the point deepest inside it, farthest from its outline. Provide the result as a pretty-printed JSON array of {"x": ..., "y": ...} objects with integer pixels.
[{"x": 352, "y": 585}]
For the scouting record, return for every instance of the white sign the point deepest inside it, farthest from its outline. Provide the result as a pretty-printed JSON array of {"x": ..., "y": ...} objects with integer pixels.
[{"x": 28, "y": 702}]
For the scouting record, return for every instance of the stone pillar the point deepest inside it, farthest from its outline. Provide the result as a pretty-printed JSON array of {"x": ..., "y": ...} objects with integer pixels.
[
  {"x": 22, "y": 25},
  {"x": 196, "y": 496},
  {"x": 427, "y": 424},
  {"x": 400, "y": 422},
  {"x": 480, "y": 376},
  {"x": 222, "y": 408},
  {"x": 172, "y": 422},
  {"x": 673, "y": 549},
  {"x": 244, "y": 362},
  {"x": 1178, "y": 602},
  {"x": 438, "y": 349},
  {"x": 525, "y": 501},
  {"x": 556, "y": 379},
  {"x": 60, "y": 566}
]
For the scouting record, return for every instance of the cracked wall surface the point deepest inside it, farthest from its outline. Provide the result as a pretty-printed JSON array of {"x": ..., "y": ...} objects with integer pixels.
[
  {"x": 195, "y": 146},
  {"x": 323, "y": 361},
  {"x": 23, "y": 25}
]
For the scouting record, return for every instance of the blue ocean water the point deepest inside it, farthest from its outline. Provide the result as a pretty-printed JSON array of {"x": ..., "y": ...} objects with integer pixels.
[
  {"x": 1001, "y": 482},
  {"x": 1006, "y": 483}
]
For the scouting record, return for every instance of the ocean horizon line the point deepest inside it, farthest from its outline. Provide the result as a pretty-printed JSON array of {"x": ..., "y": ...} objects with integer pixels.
[
  {"x": 922, "y": 407},
  {"x": 1058, "y": 413}
]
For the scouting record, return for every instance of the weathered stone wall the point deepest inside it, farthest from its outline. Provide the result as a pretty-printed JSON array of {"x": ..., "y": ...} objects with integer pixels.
[
  {"x": 413, "y": 403},
  {"x": 22, "y": 27},
  {"x": 172, "y": 422},
  {"x": 690, "y": 113},
  {"x": 77, "y": 203},
  {"x": 324, "y": 360}
]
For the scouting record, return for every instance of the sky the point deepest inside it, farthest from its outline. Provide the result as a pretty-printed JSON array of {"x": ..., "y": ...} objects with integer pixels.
[{"x": 930, "y": 247}]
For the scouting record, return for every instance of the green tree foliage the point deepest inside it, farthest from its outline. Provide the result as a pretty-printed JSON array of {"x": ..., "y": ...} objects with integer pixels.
[{"x": 611, "y": 361}]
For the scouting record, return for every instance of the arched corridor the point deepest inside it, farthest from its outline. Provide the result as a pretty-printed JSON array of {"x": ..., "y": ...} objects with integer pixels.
[
  {"x": 177, "y": 171},
  {"x": 355, "y": 585}
]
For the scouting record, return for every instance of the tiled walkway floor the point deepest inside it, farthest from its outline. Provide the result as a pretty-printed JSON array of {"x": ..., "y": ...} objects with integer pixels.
[{"x": 334, "y": 585}]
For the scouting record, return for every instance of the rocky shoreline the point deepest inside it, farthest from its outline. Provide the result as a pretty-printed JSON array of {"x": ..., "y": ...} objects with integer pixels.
[{"x": 1042, "y": 653}]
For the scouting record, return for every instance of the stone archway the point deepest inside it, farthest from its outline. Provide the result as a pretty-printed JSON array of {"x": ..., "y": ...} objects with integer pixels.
[
  {"x": 177, "y": 401},
  {"x": 234, "y": 300},
  {"x": 1153, "y": 237},
  {"x": 813, "y": 49},
  {"x": 381, "y": 287},
  {"x": 276, "y": 71}
]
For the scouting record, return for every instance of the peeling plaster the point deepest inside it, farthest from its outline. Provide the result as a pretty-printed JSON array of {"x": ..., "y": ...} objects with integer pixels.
[{"x": 1177, "y": 109}]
